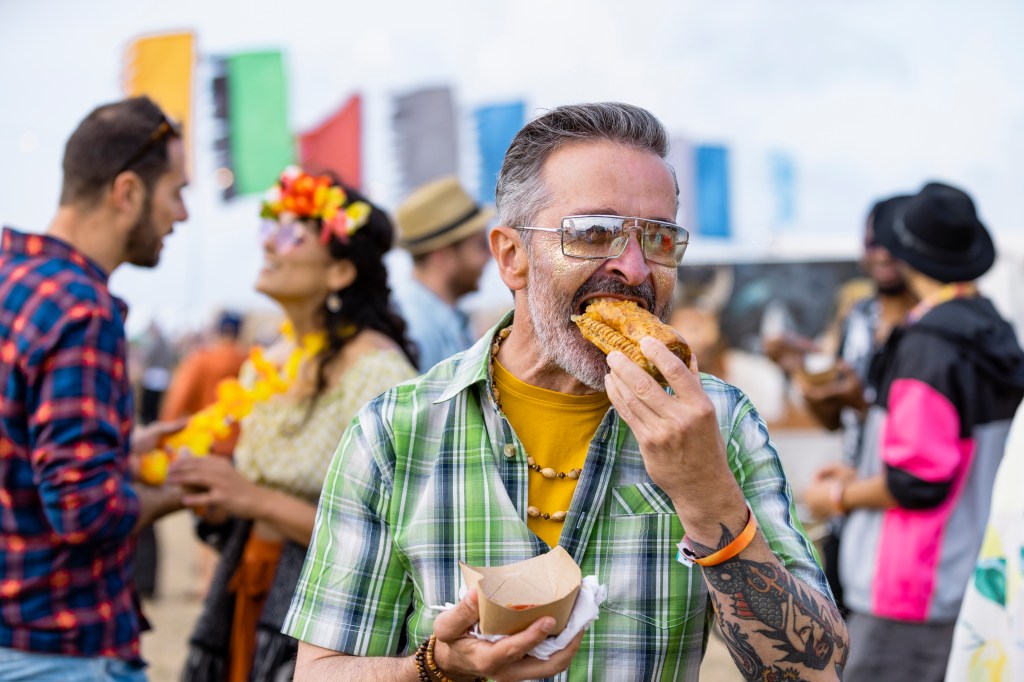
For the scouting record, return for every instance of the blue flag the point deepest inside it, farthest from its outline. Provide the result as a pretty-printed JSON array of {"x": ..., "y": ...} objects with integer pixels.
[
  {"x": 783, "y": 179},
  {"x": 711, "y": 175},
  {"x": 496, "y": 125}
]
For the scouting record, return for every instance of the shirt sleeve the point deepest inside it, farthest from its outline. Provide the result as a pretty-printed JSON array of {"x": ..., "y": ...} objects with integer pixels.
[
  {"x": 353, "y": 594},
  {"x": 758, "y": 469},
  {"x": 920, "y": 444},
  {"x": 79, "y": 455}
]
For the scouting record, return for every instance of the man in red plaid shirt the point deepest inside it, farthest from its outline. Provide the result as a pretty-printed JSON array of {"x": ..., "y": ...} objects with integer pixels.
[{"x": 68, "y": 506}]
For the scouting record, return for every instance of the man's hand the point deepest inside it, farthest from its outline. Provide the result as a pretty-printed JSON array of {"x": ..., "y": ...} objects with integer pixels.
[
  {"x": 156, "y": 503},
  {"x": 214, "y": 484},
  {"x": 146, "y": 438},
  {"x": 462, "y": 656},
  {"x": 679, "y": 438},
  {"x": 788, "y": 351},
  {"x": 845, "y": 389},
  {"x": 820, "y": 495}
]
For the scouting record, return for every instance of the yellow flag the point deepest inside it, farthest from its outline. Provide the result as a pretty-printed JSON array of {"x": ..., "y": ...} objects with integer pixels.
[{"x": 161, "y": 68}]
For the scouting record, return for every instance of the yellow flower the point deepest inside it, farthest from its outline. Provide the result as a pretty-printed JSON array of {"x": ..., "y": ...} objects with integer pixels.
[
  {"x": 358, "y": 213},
  {"x": 153, "y": 467}
]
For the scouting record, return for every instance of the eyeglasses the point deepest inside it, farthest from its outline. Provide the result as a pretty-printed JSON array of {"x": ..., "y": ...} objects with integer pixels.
[
  {"x": 164, "y": 129},
  {"x": 600, "y": 237},
  {"x": 285, "y": 236}
]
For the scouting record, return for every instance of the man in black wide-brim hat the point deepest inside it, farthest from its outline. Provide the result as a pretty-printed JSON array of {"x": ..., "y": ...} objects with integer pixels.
[{"x": 948, "y": 383}]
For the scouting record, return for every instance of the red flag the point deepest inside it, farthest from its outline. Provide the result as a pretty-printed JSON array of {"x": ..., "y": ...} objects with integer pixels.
[{"x": 335, "y": 145}]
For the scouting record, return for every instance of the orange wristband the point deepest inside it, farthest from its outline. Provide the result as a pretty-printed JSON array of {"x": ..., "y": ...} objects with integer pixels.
[
  {"x": 740, "y": 543},
  {"x": 836, "y": 495}
]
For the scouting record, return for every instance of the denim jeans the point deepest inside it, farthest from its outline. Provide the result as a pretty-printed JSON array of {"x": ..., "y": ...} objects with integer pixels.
[{"x": 18, "y": 666}]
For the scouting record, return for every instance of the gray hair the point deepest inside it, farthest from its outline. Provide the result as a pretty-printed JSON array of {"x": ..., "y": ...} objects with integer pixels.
[{"x": 521, "y": 193}]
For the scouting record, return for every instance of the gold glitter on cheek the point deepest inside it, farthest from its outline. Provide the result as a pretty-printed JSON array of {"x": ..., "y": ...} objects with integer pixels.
[{"x": 664, "y": 286}]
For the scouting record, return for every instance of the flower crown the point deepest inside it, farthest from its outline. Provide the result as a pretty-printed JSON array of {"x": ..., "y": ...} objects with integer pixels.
[{"x": 315, "y": 198}]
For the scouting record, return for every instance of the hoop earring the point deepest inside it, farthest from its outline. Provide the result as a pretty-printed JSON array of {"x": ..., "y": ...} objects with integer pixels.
[{"x": 334, "y": 302}]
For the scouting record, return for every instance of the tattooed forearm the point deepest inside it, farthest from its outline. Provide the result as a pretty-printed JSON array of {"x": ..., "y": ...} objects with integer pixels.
[
  {"x": 745, "y": 656},
  {"x": 760, "y": 599}
]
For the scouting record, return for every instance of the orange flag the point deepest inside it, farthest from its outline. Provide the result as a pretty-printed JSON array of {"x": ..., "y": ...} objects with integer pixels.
[{"x": 161, "y": 67}]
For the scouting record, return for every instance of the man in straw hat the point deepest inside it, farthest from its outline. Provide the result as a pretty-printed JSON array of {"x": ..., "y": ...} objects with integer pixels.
[
  {"x": 532, "y": 439},
  {"x": 443, "y": 228},
  {"x": 947, "y": 383}
]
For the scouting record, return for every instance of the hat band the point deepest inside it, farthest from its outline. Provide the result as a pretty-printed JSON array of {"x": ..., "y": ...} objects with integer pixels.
[
  {"x": 910, "y": 241},
  {"x": 444, "y": 228}
]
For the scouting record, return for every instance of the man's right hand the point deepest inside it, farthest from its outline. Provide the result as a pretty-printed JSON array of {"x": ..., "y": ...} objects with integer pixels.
[
  {"x": 462, "y": 656},
  {"x": 845, "y": 389}
]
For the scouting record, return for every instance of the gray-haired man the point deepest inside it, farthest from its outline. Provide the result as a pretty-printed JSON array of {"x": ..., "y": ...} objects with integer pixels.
[{"x": 439, "y": 470}]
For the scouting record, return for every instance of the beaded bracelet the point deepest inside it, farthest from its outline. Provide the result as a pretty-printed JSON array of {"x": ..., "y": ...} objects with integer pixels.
[
  {"x": 421, "y": 661},
  {"x": 427, "y": 667}
]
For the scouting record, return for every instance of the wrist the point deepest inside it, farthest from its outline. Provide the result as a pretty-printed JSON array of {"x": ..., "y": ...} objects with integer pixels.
[
  {"x": 836, "y": 495},
  {"x": 263, "y": 503},
  {"x": 689, "y": 556},
  {"x": 428, "y": 669},
  {"x": 704, "y": 522}
]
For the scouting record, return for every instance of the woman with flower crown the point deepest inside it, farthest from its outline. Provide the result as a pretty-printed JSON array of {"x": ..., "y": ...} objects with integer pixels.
[{"x": 342, "y": 345}]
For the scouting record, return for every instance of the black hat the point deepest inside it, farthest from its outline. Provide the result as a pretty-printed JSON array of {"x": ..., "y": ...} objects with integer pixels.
[{"x": 937, "y": 232}]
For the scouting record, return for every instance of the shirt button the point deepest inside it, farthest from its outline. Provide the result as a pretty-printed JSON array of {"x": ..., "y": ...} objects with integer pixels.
[{"x": 510, "y": 450}]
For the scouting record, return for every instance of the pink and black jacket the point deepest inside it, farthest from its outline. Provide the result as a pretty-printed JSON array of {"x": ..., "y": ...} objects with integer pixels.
[{"x": 948, "y": 386}]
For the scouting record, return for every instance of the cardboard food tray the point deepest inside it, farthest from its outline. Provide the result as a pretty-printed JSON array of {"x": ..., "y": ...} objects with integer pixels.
[{"x": 547, "y": 584}]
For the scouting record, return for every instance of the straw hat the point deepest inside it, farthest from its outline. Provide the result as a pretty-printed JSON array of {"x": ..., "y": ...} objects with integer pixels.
[{"x": 438, "y": 214}]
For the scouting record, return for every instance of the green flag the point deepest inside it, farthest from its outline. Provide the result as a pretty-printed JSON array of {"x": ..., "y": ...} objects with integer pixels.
[{"x": 261, "y": 142}]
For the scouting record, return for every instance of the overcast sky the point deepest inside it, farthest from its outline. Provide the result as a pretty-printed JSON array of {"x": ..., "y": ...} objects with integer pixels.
[{"x": 868, "y": 98}]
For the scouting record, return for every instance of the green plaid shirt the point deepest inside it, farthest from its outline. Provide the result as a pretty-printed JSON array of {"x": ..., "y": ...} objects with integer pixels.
[{"x": 430, "y": 472}]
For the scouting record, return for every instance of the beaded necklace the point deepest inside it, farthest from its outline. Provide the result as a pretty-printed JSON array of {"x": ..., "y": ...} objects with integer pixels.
[
  {"x": 947, "y": 292},
  {"x": 548, "y": 473}
]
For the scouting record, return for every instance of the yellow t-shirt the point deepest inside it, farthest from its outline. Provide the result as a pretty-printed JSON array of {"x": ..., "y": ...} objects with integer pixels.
[{"x": 555, "y": 429}]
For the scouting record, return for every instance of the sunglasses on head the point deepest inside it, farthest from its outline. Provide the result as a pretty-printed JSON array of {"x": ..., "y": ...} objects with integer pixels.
[
  {"x": 166, "y": 128},
  {"x": 601, "y": 237},
  {"x": 285, "y": 236}
]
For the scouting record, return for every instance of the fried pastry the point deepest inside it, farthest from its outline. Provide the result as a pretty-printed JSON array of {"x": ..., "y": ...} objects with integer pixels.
[{"x": 619, "y": 325}]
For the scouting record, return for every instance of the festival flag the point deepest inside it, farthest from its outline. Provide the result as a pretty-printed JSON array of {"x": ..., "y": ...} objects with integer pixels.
[
  {"x": 161, "y": 67},
  {"x": 335, "y": 145},
  {"x": 496, "y": 125},
  {"x": 712, "y": 189},
  {"x": 251, "y": 104},
  {"x": 424, "y": 123},
  {"x": 783, "y": 181}
]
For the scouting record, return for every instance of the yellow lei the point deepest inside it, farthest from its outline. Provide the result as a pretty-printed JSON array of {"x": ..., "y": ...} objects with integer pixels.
[{"x": 234, "y": 401}]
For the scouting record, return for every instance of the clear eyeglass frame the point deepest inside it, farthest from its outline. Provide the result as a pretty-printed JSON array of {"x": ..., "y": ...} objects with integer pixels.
[
  {"x": 602, "y": 237},
  {"x": 285, "y": 235}
]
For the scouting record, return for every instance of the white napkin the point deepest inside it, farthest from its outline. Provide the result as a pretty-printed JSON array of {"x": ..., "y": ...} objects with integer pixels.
[{"x": 591, "y": 595}]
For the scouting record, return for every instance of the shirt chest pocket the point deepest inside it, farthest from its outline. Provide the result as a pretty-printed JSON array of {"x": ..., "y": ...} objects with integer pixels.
[{"x": 645, "y": 582}]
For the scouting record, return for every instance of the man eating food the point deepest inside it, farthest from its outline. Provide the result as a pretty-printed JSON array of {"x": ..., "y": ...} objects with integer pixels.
[{"x": 534, "y": 438}]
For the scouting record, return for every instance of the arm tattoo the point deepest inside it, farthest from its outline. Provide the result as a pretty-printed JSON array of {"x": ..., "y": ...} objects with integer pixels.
[{"x": 804, "y": 630}]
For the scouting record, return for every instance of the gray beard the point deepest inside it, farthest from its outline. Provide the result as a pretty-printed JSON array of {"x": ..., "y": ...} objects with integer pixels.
[{"x": 560, "y": 341}]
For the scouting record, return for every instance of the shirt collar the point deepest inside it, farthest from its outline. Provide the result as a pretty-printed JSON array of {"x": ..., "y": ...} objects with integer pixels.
[
  {"x": 23, "y": 244},
  {"x": 475, "y": 363}
]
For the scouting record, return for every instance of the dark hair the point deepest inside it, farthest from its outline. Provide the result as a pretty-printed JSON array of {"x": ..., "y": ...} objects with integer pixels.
[
  {"x": 229, "y": 323},
  {"x": 366, "y": 302},
  {"x": 109, "y": 137}
]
